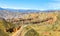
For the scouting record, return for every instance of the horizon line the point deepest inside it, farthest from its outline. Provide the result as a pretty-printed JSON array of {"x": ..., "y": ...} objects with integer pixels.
[{"x": 28, "y": 8}]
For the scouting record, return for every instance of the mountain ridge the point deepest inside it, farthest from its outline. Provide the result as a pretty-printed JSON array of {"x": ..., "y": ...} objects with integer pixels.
[{"x": 14, "y": 13}]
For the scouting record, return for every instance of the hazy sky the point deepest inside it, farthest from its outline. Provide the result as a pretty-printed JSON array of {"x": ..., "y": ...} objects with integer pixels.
[{"x": 31, "y": 4}]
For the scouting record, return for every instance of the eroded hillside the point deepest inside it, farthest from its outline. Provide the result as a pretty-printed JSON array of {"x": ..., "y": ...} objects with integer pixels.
[
  {"x": 36, "y": 21},
  {"x": 46, "y": 28}
]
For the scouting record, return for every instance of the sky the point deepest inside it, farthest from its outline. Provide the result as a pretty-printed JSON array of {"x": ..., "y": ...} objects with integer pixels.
[{"x": 31, "y": 4}]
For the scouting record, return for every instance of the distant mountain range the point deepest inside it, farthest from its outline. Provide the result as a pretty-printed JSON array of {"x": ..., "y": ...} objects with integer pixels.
[
  {"x": 20, "y": 10},
  {"x": 10, "y": 13},
  {"x": 26, "y": 11},
  {"x": 1, "y": 8}
]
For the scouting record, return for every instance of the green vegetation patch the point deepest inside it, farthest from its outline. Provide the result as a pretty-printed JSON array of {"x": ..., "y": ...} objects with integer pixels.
[{"x": 31, "y": 32}]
